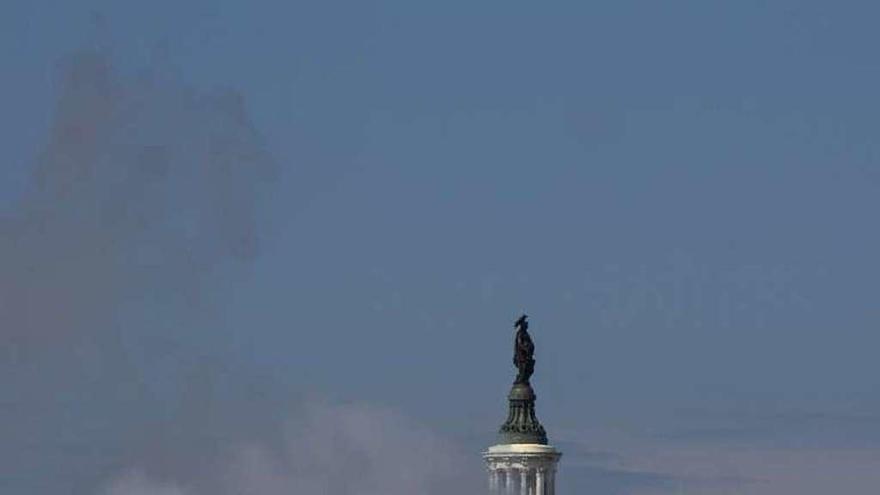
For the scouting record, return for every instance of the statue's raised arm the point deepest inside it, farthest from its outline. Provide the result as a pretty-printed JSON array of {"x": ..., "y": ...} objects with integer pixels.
[{"x": 523, "y": 351}]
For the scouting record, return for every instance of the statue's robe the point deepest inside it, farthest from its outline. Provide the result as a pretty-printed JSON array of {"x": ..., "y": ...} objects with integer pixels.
[{"x": 524, "y": 349}]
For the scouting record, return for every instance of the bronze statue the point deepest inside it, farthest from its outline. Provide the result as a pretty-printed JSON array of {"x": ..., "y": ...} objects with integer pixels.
[
  {"x": 522, "y": 425},
  {"x": 523, "y": 351}
]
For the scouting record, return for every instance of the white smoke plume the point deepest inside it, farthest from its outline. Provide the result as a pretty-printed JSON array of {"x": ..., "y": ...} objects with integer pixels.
[
  {"x": 330, "y": 450},
  {"x": 137, "y": 483}
]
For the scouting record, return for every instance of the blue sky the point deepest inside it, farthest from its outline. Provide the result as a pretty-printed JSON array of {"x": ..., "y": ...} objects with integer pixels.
[{"x": 682, "y": 196}]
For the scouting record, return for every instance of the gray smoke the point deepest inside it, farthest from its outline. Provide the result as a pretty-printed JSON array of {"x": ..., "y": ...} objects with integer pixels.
[
  {"x": 146, "y": 202},
  {"x": 143, "y": 187}
]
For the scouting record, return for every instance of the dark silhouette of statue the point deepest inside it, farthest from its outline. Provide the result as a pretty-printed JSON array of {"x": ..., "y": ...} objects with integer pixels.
[
  {"x": 523, "y": 351},
  {"x": 522, "y": 425}
]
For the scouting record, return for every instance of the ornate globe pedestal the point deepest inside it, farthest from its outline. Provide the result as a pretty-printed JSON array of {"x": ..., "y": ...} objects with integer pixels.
[{"x": 522, "y": 463}]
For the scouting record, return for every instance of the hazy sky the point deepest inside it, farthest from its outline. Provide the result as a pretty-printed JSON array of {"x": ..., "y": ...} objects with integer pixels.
[{"x": 226, "y": 220}]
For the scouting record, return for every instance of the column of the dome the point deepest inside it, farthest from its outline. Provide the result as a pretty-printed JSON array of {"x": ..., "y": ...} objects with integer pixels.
[
  {"x": 493, "y": 480},
  {"x": 539, "y": 482}
]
